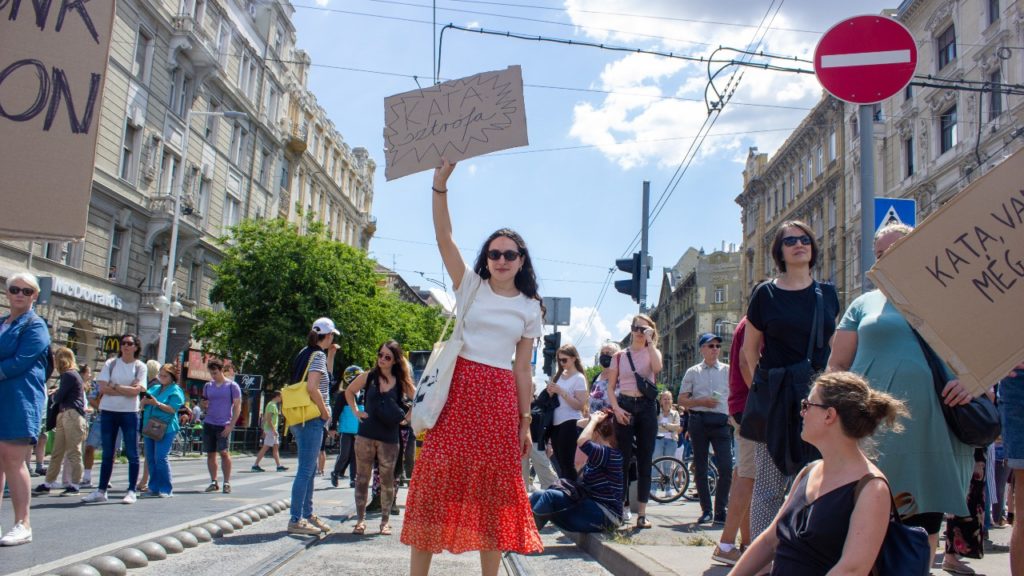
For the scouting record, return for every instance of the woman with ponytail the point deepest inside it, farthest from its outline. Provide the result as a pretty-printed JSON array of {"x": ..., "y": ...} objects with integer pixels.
[
  {"x": 570, "y": 385},
  {"x": 806, "y": 538}
]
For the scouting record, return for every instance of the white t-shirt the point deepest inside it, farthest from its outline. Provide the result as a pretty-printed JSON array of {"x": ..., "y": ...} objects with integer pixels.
[
  {"x": 119, "y": 373},
  {"x": 495, "y": 324},
  {"x": 572, "y": 385}
]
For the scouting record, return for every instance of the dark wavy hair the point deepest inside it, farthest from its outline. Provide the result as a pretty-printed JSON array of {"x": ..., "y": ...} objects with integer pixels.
[
  {"x": 526, "y": 278},
  {"x": 608, "y": 429},
  {"x": 399, "y": 368},
  {"x": 780, "y": 263}
]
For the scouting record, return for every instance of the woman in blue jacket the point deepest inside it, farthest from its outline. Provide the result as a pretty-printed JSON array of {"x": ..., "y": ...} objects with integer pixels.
[{"x": 24, "y": 350}]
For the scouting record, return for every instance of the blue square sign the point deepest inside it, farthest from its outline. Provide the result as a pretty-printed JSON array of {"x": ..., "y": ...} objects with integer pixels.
[{"x": 895, "y": 210}]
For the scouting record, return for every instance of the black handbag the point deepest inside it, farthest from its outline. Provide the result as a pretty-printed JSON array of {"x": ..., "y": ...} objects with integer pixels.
[
  {"x": 646, "y": 387},
  {"x": 976, "y": 424},
  {"x": 905, "y": 549},
  {"x": 754, "y": 423}
]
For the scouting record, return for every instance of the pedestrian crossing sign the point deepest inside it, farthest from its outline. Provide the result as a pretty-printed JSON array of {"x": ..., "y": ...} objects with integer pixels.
[{"x": 895, "y": 211}]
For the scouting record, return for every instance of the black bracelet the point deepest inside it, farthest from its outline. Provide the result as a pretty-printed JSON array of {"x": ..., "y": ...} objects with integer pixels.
[{"x": 439, "y": 191}]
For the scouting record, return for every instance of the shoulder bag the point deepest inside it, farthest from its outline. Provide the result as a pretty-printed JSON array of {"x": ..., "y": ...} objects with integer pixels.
[
  {"x": 156, "y": 426},
  {"x": 905, "y": 549},
  {"x": 436, "y": 380},
  {"x": 976, "y": 424},
  {"x": 646, "y": 387},
  {"x": 296, "y": 405}
]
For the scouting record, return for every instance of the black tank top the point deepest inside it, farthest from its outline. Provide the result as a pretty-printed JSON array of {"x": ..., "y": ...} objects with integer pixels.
[
  {"x": 812, "y": 535},
  {"x": 372, "y": 427}
]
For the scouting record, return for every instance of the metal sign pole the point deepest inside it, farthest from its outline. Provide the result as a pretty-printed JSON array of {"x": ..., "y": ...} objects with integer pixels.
[{"x": 866, "y": 124}]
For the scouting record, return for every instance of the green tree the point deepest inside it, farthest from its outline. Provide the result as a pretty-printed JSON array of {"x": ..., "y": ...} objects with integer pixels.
[{"x": 274, "y": 281}]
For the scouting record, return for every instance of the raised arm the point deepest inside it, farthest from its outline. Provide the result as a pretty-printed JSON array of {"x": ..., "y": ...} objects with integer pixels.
[{"x": 443, "y": 224}]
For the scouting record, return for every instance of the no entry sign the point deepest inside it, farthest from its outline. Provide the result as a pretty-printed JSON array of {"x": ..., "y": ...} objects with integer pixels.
[{"x": 865, "y": 59}]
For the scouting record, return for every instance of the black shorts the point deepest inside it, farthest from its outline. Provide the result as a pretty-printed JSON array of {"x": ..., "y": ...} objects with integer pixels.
[{"x": 212, "y": 439}]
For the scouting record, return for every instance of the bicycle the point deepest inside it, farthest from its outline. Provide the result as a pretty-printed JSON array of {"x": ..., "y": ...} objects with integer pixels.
[{"x": 671, "y": 477}]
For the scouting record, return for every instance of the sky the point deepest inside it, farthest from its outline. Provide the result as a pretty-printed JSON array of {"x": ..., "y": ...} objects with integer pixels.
[{"x": 600, "y": 123}]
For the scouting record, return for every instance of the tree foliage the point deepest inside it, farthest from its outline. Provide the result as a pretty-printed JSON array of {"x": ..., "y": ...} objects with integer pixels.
[{"x": 275, "y": 281}]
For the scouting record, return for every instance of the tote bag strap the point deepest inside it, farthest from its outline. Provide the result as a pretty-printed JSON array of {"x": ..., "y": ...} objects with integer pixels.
[
  {"x": 817, "y": 338},
  {"x": 465, "y": 310}
]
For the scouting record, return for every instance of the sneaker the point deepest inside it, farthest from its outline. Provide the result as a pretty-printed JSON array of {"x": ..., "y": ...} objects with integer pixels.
[
  {"x": 213, "y": 487},
  {"x": 129, "y": 498},
  {"x": 41, "y": 489},
  {"x": 282, "y": 468},
  {"x": 86, "y": 483},
  {"x": 95, "y": 496},
  {"x": 40, "y": 471},
  {"x": 729, "y": 558},
  {"x": 316, "y": 521},
  {"x": 303, "y": 527},
  {"x": 719, "y": 519},
  {"x": 18, "y": 535},
  {"x": 70, "y": 491},
  {"x": 953, "y": 565},
  {"x": 394, "y": 510},
  {"x": 165, "y": 495},
  {"x": 334, "y": 479},
  {"x": 705, "y": 518},
  {"x": 627, "y": 516},
  {"x": 227, "y": 488},
  {"x": 256, "y": 468}
]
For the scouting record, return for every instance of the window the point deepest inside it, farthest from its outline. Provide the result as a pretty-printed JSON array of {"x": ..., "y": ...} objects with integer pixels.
[
  {"x": 284, "y": 174},
  {"x": 203, "y": 196},
  {"x": 876, "y": 112},
  {"x": 232, "y": 202},
  {"x": 128, "y": 149},
  {"x": 820, "y": 161},
  {"x": 278, "y": 41},
  {"x": 908, "y": 93},
  {"x": 947, "y": 46},
  {"x": 908, "y": 154},
  {"x": 212, "y": 121},
  {"x": 801, "y": 180},
  {"x": 719, "y": 294},
  {"x": 254, "y": 73},
  {"x": 783, "y": 189},
  {"x": 115, "y": 268},
  {"x": 181, "y": 92},
  {"x": 195, "y": 281},
  {"x": 831, "y": 144},
  {"x": 272, "y": 101},
  {"x": 995, "y": 102},
  {"x": 947, "y": 130},
  {"x": 243, "y": 66},
  {"x": 831, "y": 211},
  {"x": 168, "y": 173},
  {"x": 993, "y": 11},
  {"x": 67, "y": 253},
  {"x": 223, "y": 39},
  {"x": 266, "y": 164},
  {"x": 143, "y": 56},
  {"x": 239, "y": 135}
]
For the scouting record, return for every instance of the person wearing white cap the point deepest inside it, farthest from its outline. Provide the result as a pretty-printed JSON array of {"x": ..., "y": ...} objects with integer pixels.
[{"x": 313, "y": 364}]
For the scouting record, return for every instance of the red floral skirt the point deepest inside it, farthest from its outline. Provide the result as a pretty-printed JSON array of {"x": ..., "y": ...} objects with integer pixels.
[{"x": 467, "y": 488}]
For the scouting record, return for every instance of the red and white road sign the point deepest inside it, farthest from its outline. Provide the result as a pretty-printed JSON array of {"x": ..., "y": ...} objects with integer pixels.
[{"x": 865, "y": 59}]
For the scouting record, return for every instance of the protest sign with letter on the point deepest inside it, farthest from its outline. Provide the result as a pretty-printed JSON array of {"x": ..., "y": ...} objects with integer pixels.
[
  {"x": 53, "y": 62},
  {"x": 959, "y": 277},
  {"x": 455, "y": 120}
]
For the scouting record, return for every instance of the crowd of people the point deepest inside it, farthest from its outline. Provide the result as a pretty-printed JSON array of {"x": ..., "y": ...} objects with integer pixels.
[{"x": 821, "y": 419}]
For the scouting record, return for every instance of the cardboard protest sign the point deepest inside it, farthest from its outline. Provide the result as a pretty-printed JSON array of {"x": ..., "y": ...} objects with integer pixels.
[
  {"x": 53, "y": 62},
  {"x": 959, "y": 277},
  {"x": 456, "y": 120}
]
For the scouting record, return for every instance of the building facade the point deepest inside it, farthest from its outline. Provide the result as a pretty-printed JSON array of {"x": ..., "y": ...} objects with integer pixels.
[
  {"x": 170, "y": 61},
  {"x": 701, "y": 293},
  {"x": 804, "y": 180}
]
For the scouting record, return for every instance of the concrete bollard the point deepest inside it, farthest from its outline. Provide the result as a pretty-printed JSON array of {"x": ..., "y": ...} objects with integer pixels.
[
  {"x": 259, "y": 511},
  {"x": 152, "y": 550},
  {"x": 244, "y": 517},
  {"x": 270, "y": 510},
  {"x": 214, "y": 529},
  {"x": 225, "y": 526},
  {"x": 187, "y": 539},
  {"x": 171, "y": 544},
  {"x": 235, "y": 522},
  {"x": 79, "y": 570},
  {"x": 109, "y": 566},
  {"x": 132, "y": 557}
]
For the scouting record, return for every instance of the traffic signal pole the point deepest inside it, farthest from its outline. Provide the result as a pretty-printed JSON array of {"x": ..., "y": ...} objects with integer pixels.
[{"x": 644, "y": 272}]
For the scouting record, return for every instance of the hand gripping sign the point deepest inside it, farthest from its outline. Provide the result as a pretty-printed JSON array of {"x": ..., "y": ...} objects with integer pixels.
[{"x": 456, "y": 120}]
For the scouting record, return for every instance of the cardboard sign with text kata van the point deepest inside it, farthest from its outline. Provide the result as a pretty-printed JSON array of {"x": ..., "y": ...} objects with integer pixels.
[
  {"x": 456, "y": 120},
  {"x": 959, "y": 277},
  {"x": 53, "y": 62}
]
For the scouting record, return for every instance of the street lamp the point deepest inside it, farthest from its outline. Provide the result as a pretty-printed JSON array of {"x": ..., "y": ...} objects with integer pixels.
[{"x": 166, "y": 303}]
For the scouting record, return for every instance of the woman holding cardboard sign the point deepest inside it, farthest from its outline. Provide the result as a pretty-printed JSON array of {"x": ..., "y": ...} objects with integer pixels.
[
  {"x": 926, "y": 461},
  {"x": 467, "y": 489}
]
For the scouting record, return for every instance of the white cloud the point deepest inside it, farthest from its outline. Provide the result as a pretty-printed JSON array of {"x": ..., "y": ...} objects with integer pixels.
[
  {"x": 595, "y": 337},
  {"x": 322, "y": 2},
  {"x": 471, "y": 169},
  {"x": 622, "y": 326},
  {"x": 473, "y": 24}
]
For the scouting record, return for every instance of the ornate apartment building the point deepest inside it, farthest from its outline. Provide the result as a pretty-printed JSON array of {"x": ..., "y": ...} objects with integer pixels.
[
  {"x": 804, "y": 180},
  {"x": 283, "y": 158}
]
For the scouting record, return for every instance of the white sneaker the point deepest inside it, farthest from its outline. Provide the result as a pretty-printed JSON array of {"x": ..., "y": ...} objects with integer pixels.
[
  {"x": 18, "y": 535},
  {"x": 95, "y": 496},
  {"x": 627, "y": 516},
  {"x": 130, "y": 497}
]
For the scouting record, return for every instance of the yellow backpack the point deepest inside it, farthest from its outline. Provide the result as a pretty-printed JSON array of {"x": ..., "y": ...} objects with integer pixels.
[{"x": 296, "y": 405}]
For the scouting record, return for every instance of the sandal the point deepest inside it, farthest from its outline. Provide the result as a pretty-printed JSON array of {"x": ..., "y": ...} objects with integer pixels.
[
  {"x": 643, "y": 523},
  {"x": 385, "y": 529},
  {"x": 360, "y": 528}
]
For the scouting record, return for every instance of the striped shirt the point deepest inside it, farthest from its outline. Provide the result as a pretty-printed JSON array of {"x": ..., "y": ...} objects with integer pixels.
[
  {"x": 602, "y": 476},
  {"x": 319, "y": 364}
]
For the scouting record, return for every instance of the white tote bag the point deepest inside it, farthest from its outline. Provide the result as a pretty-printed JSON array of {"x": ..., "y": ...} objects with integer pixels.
[{"x": 436, "y": 380}]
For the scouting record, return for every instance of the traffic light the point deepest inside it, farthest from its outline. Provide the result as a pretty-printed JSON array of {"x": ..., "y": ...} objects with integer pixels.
[
  {"x": 631, "y": 286},
  {"x": 551, "y": 344}
]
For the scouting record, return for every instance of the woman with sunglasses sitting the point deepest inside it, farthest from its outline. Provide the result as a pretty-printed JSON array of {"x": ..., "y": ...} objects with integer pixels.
[
  {"x": 387, "y": 386},
  {"x": 121, "y": 381},
  {"x": 467, "y": 488},
  {"x": 24, "y": 353},
  {"x": 825, "y": 526}
]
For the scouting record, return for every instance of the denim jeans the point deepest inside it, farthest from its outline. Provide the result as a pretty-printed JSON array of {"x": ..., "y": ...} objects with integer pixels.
[
  {"x": 159, "y": 464},
  {"x": 556, "y": 507},
  {"x": 128, "y": 424},
  {"x": 308, "y": 437}
]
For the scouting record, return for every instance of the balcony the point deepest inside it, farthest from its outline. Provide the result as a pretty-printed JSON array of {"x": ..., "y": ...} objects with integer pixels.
[
  {"x": 295, "y": 140},
  {"x": 190, "y": 40}
]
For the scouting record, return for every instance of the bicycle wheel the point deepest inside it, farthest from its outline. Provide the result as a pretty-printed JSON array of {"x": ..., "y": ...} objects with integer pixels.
[
  {"x": 669, "y": 479},
  {"x": 692, "y": 495}
]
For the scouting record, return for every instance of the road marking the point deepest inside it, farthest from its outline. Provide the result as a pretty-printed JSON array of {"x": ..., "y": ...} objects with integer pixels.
[{"x": 865, "y": 58}]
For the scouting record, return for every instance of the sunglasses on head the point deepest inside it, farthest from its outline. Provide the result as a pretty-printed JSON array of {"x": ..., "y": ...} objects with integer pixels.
[
  {"x": 792, "y": 240},
  {"x": 19, "y": 290},
  {"x": 510, "y": 255},
  {"x": 384, "y": 356}
]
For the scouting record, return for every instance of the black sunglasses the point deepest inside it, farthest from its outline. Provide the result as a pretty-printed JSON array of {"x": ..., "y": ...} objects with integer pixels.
[
  {"x": 792, "y": 240},
  {"x": 805, "y": 403},
  {"x": 127, "y": 343},
  {"x": 384, "y": 356},
  {"x": 510, "y": 255},
  {"x": 563, "y": 360},
  {"x": 713, "y": 345},
  {"x": 19, "y": 290},
  {"x": 636, "y": 328}
]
